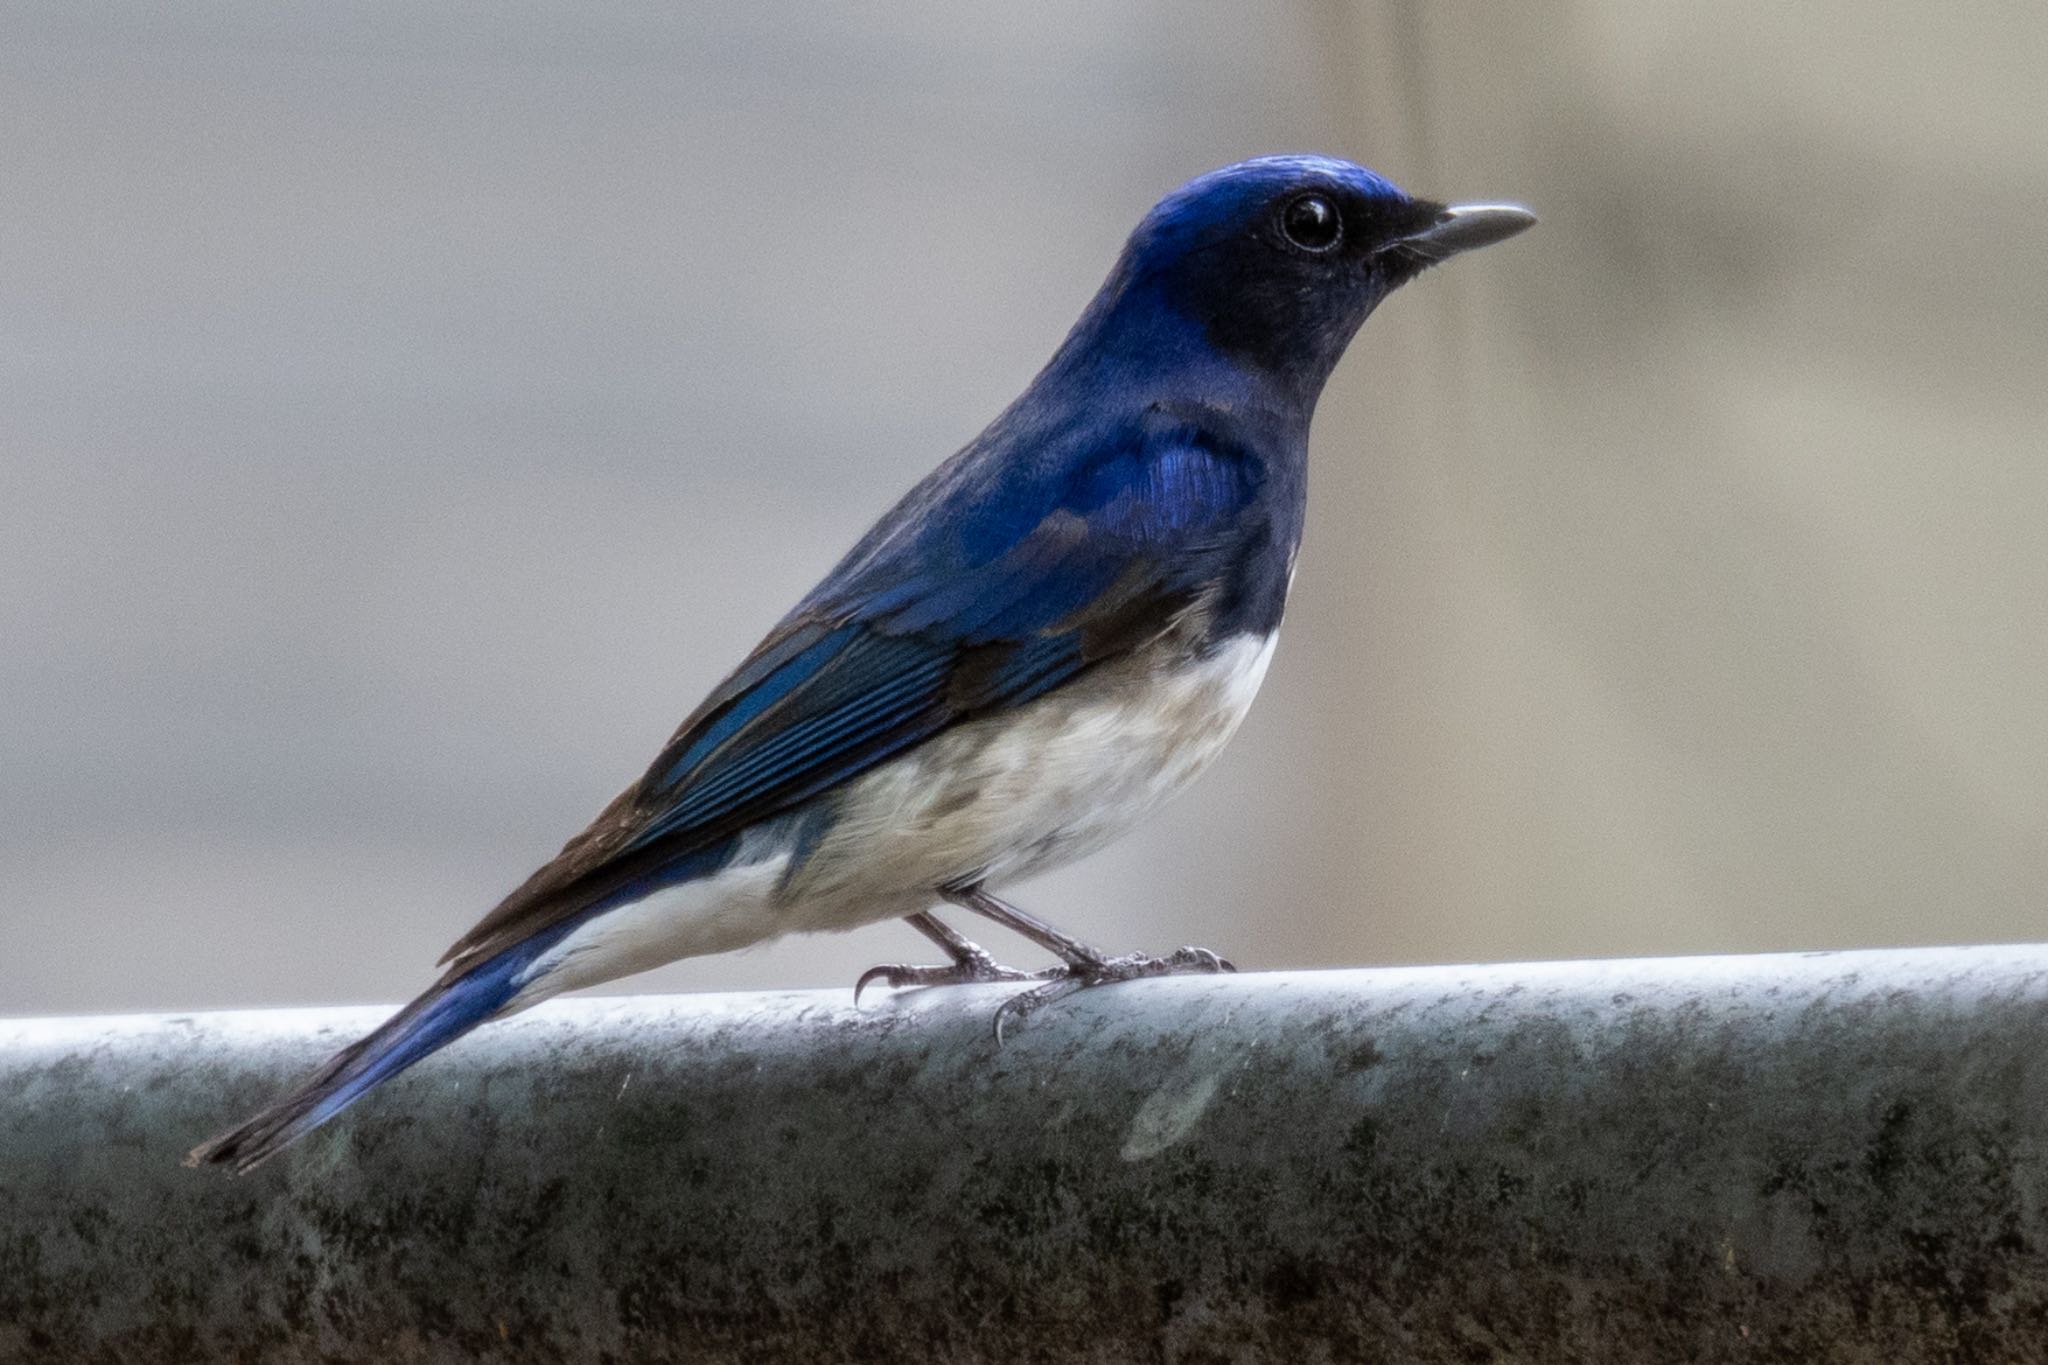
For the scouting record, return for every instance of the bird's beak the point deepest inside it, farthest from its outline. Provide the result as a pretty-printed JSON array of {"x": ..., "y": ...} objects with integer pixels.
[{"x": 1463, "y": 227}]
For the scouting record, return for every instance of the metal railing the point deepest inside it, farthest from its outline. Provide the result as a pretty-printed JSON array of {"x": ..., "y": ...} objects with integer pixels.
[{"x": 1821, "y": 1157}]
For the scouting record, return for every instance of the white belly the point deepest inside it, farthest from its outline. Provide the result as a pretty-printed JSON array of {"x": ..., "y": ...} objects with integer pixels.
[
  {"x": 993, "y": 800},
  {"x": 1003, "y": 798}
]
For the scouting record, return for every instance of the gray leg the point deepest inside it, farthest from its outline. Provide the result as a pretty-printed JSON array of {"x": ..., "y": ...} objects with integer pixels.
[
  {"x": 1085, "y": 966},
  {"x": 1063, "y": 946},
  {"x": 971, "y": 962}
]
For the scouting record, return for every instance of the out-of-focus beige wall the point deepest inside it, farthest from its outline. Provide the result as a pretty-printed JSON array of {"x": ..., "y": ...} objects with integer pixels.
[
  {"x": 1699, "y": 603},
  {"x": 413, "y": 411}
]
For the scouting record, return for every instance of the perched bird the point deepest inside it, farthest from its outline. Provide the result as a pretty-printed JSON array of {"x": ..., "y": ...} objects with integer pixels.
[{"x": 1051, "y": 634}]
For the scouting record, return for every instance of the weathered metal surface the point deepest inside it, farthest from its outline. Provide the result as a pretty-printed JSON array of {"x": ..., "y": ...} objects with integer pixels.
[{"x": 1823, "y": 1158}]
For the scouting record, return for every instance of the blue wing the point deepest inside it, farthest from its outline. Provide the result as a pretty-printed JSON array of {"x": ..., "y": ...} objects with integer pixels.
[
  {"x": 970, "y": 598},
  {"x": 967, "y": 600}
]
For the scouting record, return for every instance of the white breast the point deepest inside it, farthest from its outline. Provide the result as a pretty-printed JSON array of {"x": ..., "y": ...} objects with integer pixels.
[
  {"x": 1009, "y": 796},
  {"x": 995, "y": 799}
]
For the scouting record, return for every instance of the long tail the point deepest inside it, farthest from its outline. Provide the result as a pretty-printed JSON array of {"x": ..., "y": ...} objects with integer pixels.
[{"x": 451, "y": 1008}]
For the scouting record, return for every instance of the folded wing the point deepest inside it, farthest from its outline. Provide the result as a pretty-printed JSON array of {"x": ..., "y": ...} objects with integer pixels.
[{"x": 1043, "y": 583}]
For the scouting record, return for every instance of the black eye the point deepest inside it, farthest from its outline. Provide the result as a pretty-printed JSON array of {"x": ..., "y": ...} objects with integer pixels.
[{"x": 1311, "y": 223}]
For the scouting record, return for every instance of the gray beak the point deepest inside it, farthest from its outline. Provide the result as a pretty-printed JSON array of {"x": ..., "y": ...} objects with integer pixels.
[{"x": 1463, "y": 227}]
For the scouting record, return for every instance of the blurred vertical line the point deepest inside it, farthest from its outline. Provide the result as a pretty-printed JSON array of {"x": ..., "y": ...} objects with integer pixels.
[
  {"x": 1417, "y": 63},
  {"x": 1360, "y": 636},
  {"x": 1391, "y": 95},
  {"x": 1380, "y": 70},
  {"x": 1411, "y": 52},
  {"x": 1401, "y": 574}
]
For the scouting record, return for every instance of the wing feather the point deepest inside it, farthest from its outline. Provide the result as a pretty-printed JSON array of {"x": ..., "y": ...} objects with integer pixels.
[{"x": 911, "y": 644}]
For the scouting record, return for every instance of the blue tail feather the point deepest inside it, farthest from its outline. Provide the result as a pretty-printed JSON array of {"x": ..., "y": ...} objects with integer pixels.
[{"x": 450, "y": 1009}]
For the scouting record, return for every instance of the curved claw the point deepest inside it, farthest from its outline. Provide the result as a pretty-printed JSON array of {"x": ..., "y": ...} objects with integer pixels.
[
  {"x": 1081, "y": 976},
  {"x": 868, "y": 978},
  {"x": 968, "y": 972},
  {"x": 1189, "y": 958},
  {"x": 1024, "y": 1004},
  {"x": 897, "y": 975}
]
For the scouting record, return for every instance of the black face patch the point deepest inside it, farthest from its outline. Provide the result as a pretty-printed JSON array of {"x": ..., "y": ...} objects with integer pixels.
[{"x": 1287, "y": 283}]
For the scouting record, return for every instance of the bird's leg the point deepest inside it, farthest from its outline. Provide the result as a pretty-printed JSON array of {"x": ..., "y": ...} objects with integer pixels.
[
  {"x": 1085, "y": 966},
  {"x": 971, "y": 962}
]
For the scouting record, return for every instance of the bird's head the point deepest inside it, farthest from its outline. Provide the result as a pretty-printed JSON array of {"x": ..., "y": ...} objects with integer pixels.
[{"x": 1272, "y": 264}]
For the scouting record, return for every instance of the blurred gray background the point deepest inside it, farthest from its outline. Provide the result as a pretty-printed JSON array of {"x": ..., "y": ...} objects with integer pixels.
[{"x": 411, "y": 409}]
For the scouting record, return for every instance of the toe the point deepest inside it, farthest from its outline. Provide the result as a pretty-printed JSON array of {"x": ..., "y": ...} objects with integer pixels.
[
  {"x": 1024, "y": 1004},
  {"x": 870, "y": 977},
  {"x": 1190, "y": 958}
]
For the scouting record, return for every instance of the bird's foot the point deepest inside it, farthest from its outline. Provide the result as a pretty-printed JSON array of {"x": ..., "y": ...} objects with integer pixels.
[
  {"x": 1079, "y": 976},
  {"x": 970, "y": 968}
]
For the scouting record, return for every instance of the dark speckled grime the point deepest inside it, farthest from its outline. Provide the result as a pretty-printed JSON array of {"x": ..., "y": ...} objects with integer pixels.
[{"x": 1803, "y": 1158}]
